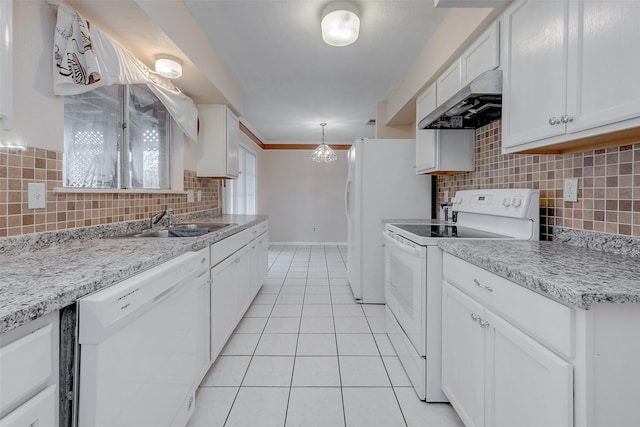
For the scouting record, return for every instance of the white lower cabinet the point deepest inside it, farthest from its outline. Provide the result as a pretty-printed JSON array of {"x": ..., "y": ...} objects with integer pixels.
[
  {"x": 495, "y": 375},
  {"x": 239, "y": 267},
  {"x": 462, "y": 356},
  {"x": 262, "y": 247},
  {"x": 229, "y": 297},
  {"x": 29, "y": 374}
]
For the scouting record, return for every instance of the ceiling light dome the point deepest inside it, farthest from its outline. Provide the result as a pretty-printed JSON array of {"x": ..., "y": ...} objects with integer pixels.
[
  {"x": 340, "y": 24},
  {"x": 169, "y": 67}
]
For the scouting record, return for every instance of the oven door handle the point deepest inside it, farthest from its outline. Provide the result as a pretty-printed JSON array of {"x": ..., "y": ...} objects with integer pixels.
[{"x": 399, "y": 245}]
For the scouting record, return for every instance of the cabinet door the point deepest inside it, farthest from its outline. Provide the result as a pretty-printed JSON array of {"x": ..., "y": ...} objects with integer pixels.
[
  {"x": 223, "y": 304},
  {"x": 528, "y": 385},
  {"x": 535, "y": 71},
  {"x": 449, "y": 82},
  {"x": 426, "y": 150},
  {"x": 463, "y": 355},
  {"x": 233, "y": 140},
  {"x": 425, "y": 139},
  {"x": 6, "y": 43},
  {"x": 263, "y": 258},
  {"x": 604, "y": 77},
  {"x": 242, "y": 284},
  {"x": 483, "y": 55}
]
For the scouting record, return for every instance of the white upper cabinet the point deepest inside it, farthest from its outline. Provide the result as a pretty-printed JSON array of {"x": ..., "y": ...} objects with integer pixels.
[
  {"x": 483, "y": 55},
  {"x": 567, "y": 78},
  {"x": 6, "y": 45},
  {"x": 218, "y": 142},
  {"x": 440, "y": 151},
  {"x": 448, "y": 83}
]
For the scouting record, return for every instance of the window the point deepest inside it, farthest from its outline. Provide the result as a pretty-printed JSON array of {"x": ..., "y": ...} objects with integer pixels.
[
  {"x": 116, "y": 137},
  {"x": 241, "y": 192}
]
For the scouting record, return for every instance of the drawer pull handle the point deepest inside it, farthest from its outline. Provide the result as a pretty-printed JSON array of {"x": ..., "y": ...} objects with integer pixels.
[
  {"x": 484, "y": 323},
  {"x": 480, "y": 285},
  {"x": 475, "y": 317}
]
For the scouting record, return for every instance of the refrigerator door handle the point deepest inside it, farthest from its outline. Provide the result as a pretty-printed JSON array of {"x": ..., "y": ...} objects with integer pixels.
[{"x": 347, "y": 197}]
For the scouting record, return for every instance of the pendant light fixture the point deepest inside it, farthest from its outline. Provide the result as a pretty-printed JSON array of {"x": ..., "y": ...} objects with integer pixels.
[
  {"x": 340, "y": 24},
  {"x": 323, "y": 153}
]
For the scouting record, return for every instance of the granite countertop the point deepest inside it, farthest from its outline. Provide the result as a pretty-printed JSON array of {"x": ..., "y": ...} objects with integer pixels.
[
  {"x": 33, "y": 284},
  {"x": 575, "y": 276}
]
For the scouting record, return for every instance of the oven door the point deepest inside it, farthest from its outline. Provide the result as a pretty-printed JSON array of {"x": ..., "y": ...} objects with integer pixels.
[{"x": 405, "y": 287}]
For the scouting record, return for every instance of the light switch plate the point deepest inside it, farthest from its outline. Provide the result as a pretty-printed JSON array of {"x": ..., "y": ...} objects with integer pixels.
[
  {"x": 37, "y": 195},
  {"x": 199, "y": 195},
  {"x": 570, "y": 193}
]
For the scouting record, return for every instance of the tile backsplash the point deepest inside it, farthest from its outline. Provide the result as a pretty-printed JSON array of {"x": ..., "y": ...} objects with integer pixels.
[
  {"x": 69, "y": 210},
  {"x": 608, "y": 181}
]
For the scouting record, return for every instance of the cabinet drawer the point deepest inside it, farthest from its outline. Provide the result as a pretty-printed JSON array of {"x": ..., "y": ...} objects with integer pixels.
[
  {"x": 25, "y": 365},
  {"x": 222, "y": 249},
  {"x": 262, "y": 227},
  {"x": 38, "y": 411},
  {"x": 548, "y": 321}
]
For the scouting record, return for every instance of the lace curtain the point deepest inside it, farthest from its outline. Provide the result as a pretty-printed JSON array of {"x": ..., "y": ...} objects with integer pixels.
[{"x": 86, "y": 58}]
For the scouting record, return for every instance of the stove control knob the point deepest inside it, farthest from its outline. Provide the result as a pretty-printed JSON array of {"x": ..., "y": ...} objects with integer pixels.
[
  {"x": 506, "y": 202},
  {"x": 516, "y": 202}
]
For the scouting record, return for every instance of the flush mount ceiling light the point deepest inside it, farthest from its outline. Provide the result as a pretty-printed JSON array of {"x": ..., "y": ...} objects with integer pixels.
[
  {"x": 340, "y": 24},
  {"x": 169, "y": 67},
  {"x": 323, "y": 153}
]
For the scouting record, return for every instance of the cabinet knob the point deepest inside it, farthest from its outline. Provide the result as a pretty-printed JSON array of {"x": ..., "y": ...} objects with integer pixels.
[
  {"x": 566, "y": 119},
  {"x": 554, "y": 121}
]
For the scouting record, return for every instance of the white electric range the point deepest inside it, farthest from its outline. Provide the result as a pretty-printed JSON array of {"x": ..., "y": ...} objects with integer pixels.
[{"x": 413, "y": 273}]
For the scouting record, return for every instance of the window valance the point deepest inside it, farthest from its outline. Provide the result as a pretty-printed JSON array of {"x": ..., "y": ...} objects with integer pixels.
[{"x": 86, "y": 58}]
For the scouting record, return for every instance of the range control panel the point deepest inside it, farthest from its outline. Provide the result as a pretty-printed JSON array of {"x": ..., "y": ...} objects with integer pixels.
[{"x": 515, "y": 203}]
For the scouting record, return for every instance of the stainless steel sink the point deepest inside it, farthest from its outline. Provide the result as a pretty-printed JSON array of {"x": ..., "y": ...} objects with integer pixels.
[{"x": 193, "y": 229}]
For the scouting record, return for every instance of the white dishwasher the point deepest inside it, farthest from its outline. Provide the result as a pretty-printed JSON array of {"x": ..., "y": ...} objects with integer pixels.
[{"x": 142, "y": 348}]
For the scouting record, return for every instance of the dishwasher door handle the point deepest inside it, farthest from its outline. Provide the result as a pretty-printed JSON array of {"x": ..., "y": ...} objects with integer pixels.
[{"x": 415, "y": 251}]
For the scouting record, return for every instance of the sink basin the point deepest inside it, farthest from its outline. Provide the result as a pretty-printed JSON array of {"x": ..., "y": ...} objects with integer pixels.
[
  {"x": 184, "y": 230},
  {"x": 211, "y": 226}
]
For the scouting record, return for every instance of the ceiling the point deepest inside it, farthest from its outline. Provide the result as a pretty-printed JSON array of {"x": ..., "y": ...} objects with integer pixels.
[{"x": 292, "y": 81}]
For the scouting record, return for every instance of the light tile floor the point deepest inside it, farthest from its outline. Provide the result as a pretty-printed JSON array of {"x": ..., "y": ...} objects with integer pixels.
[{"x": 306, "y": 354}]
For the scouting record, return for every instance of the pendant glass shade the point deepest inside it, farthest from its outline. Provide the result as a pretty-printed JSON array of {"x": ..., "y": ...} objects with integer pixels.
[{"x": 323, "y": 153}]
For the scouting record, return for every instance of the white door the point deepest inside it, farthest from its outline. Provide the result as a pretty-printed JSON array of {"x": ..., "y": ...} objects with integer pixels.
[
  {"x": 223, "y": 304},
  {"x": 528, "y": 385},
  {"x": 405, "y": 285},
  {"x": 351, "y": 207},
  {"x": 463, "y": 366},
  {"x": 233, "y": 142},
  {"x": 263, "y": 257},
  {"x": 535, "y": 71},
  {"x": 242, "y": 282},
  {"x": 604, "y": 78},
  {"x": 449, "y": 82},
  {"x": 425, "y": 139}
]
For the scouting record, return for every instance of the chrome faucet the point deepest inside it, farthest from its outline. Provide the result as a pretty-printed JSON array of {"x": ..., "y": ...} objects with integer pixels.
[{"x": 155, "y": 219}]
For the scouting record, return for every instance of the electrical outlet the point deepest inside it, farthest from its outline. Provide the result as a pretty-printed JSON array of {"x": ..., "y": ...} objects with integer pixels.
[
  {"x": 37, "y": 195},
  {"x": 446, "y": 196},
  {"x": 199, "y": 195},
  {"x": 570, "y": 193},
  {"x": 190, "y": 196}
]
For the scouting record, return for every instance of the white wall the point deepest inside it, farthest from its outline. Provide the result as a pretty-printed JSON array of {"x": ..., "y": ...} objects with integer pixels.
[
  {"x": 38, "y": 115},
  {"x": 300, "y": 195}
]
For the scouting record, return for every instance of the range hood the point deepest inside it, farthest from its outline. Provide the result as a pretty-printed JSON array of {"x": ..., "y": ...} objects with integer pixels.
[{"x": 473, "y": 106}]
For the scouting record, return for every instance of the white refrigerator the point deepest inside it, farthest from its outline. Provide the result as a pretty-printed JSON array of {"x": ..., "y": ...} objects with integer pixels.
[{"x": 381, "y": 184}]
